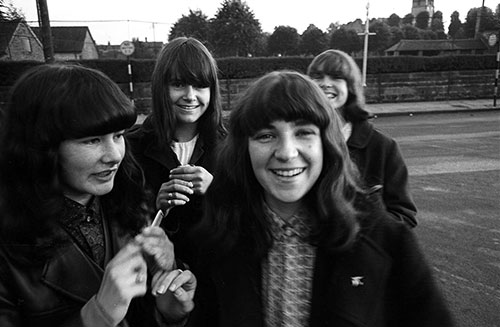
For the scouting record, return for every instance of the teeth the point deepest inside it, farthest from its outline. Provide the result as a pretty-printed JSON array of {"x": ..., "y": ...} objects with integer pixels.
[{"x": 289, "y": 173}]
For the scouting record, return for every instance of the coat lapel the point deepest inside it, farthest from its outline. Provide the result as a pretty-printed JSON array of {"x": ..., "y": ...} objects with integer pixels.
[{"x": 72, "y": 273}]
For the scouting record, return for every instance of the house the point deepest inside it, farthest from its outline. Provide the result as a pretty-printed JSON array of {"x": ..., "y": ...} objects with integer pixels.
[
  {"x": 19, "y": 42},
  {"x": 437, "y": 47},
  {"x": 72, "y": 43}
]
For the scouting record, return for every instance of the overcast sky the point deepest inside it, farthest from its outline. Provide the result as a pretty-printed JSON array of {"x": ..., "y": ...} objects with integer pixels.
[{"x": 152, "y": 19}]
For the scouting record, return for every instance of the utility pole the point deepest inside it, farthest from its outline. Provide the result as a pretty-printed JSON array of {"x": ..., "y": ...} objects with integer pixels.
[
  {"x": 366, "y": 34},
  {"x": 44, "y": 22},
  {"x": 478, "y": 21}
]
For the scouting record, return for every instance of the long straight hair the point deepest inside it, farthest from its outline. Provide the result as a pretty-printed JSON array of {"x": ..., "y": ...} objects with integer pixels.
[
  {"x": 339, "y": 65},
  {"x": 234, "y": 209},
  {"x": 48, "y": 105},
  {"x": 188, "y": 61}
]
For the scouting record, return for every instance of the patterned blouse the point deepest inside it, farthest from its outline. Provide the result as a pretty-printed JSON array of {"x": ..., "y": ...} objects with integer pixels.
[
  {"x": 288, "y": 271},
  {"x": 84, "y": 225}
]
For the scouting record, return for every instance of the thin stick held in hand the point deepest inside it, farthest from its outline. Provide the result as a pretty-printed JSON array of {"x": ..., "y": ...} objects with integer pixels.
[{"x": 158, "y": 218}]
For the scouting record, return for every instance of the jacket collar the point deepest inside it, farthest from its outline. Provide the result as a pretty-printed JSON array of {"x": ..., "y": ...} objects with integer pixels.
[
  {"x": 73, "y": 273},
  {"x": 361, "y": 134},
  {"x": 60, "y": 271},
  {"x": 166, "y": 157}
]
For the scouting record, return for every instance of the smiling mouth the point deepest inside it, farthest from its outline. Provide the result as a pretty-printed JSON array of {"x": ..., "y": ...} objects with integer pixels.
[
  {"x": 288, "y": 172},
  {"x": 104, "y": 174},
  {"x": 188, "y": 107}
]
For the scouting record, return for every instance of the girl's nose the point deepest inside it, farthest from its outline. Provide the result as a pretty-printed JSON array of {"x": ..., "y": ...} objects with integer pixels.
[
  {"x": 189, "y": 93},
  {"x": 113, "y": 151},
  {"x": 286, "y": 149}
]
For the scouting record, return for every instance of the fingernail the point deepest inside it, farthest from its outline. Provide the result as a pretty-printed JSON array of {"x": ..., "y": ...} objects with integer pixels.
[
  {"x": 172, "y": 287},
  {"x": 161, "y": 289}
]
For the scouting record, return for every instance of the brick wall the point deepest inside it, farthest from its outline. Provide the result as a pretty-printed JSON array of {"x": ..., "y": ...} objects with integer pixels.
[{"x": 382, "y": 88}]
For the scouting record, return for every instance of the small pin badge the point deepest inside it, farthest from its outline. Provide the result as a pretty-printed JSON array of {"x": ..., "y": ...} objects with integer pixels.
[{"x": 357, "y": 281}]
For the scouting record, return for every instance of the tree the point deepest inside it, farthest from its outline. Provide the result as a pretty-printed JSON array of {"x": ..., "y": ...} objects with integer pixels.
[
  {"x": 9, "y": 13},
  {"x": 437, "y": 25},
  {"x": 234, "y": 31},
  {"x": 488, "y": 21},
  {"x": 422, "y": 20},
  {"x": 346, "y": 39},
  {"x": 194, "y": 25},
  {"x": 393, "y": 20},
  {"x": 313, "y": 41},
  {"x": 382, "y": 38},
  {"x": 410, "y": 32},
  {"x": 396, "y": 35},
  {"x": 455, "y": 25},
  {"x": 283, "y": 41},
  {"x": 408, "y": 19}
]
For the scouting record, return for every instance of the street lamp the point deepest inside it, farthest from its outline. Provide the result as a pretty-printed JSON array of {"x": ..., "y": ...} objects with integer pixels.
[{"x": 366, "y": 33}]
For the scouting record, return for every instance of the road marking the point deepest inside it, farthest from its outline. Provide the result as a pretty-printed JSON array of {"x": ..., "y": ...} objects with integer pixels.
[
  {"x": 446, "y": 165},
  {"x": 460, "y": 136}
]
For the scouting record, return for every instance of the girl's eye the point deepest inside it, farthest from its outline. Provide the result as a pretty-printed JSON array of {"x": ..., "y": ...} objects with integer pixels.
[
  {"x": 263, "y": 137},
  {"x": 177, "y": 84},
  {"x": 93, "y": 140},
  {"x": 119, "y": 135}
]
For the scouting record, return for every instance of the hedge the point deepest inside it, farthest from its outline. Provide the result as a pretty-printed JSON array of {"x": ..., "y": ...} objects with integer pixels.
[{"x": 238, "y": 67}]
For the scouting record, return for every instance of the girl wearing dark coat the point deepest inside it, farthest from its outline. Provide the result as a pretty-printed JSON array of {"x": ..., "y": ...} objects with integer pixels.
[
  {"x": 291, "y": 238},
  {"x": 74, "y": 246},
  {"x": 377, "y": 156},
  {"x": 175, "y": 144}
]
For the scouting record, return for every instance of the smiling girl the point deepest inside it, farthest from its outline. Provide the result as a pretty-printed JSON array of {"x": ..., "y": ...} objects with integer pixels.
[
  {"x": 290, "y": 238},
  {"x": 74, "y": 246},
  {"x": 175, "y": 144}
]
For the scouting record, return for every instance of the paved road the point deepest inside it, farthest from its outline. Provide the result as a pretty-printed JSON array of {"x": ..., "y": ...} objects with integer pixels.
[{"x": 454, "y": 164}]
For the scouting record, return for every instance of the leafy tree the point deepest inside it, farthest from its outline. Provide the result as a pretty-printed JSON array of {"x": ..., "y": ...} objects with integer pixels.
[
  {"x": 347, "y": 40},
  {"x": 313, "y": 41},
  {"x": 488, "y": 21},
  {"x": 455, "y": 25},
  {"x": 408, "y": 19},
  {"x": 284, "y": 41},
  {"x": 396, "y": 34},
  {"x": 427, "y": 35},
  {"x": 393, "y": 20},
  {"x": 8, "y": 12},
  {"x": 437, "y": 25},
  {"x": 410, "y": 32},
  {"x": 234, "y": 31},
  {"x": 422, "y": 20},
  {"x": 194, "y": 25},
  {"x": 382, "y": 38}
]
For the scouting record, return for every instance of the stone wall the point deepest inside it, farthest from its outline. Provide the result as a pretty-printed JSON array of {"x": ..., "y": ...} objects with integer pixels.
[{"x": 381, "y": 88}]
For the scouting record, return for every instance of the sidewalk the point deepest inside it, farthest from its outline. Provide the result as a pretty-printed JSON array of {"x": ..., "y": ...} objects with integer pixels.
[{"x": 407, "y": 108}]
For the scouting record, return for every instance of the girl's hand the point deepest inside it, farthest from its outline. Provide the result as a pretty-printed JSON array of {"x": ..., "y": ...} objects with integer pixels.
[
  {"x": 173, "y": 193},
  {"x": 155, "y": 244},
  {"x": 197, "y": 175},
  {"x": 174, "y": 293},
  {"x": 124, "y": 279}
]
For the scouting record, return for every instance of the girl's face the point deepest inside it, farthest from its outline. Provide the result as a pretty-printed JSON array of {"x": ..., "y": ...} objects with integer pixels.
[
  {"x": 287, "y": 159},
  {"x": 190, "y": 101},
  {"x": 88, "y": 165},
  {"x": 335, "y": 89}
]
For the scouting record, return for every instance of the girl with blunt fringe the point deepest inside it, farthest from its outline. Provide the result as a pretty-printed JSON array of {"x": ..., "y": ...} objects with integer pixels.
[
  {"x": 74, "y": 246},
  {"x": 175, "y": 144},
  {"x": 376, "y": 155},
  {"x": 290, "y": 238}
]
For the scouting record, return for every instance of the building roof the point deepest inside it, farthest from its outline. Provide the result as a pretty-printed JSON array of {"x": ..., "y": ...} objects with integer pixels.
[
  {"x": 438, "y": 45},
  {"x": 7, "y": 29},
  {"x": 67, "y": 39}
]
